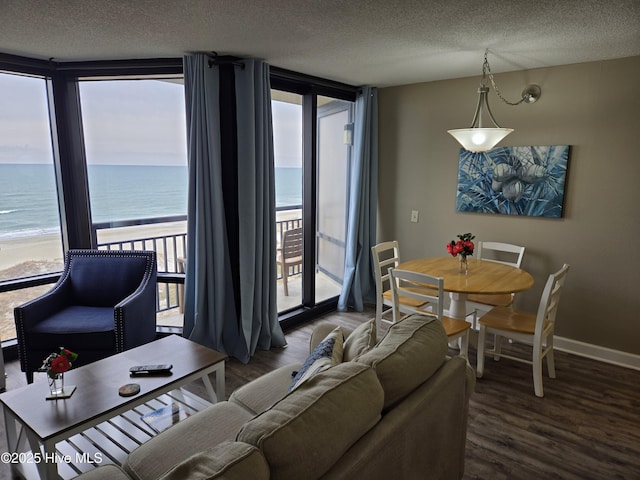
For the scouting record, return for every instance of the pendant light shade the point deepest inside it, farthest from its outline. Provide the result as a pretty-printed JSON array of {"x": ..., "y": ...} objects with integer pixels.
[{"x": 478, "y": 138}]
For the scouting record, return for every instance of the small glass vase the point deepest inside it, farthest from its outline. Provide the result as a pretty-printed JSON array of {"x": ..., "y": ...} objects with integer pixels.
[
  {"x": 463, "y": 265},
  {"x": 56, "y": 385},
  {"x": 57, "y": 388}
]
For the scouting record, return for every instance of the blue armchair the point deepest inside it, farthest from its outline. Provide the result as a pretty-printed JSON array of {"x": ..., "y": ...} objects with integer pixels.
[{"x": 104, "y": 303}]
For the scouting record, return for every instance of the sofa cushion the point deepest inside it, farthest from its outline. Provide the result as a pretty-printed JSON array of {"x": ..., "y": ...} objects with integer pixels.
[
  {"x": 227, "y": 461},
  {"x": 361, "y": 340},
  {"x": 305, "y": 433},
  {"x": 205, "y": 429},
  {"x": 266, "y": 390},
  {"x": 326, "y": 354},
  {"x": 411, "y": 351},
  {"x": 104, "y": 472}
]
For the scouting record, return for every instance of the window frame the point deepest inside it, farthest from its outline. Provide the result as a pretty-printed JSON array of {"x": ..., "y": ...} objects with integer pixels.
[{"x": 71, "y": 168}]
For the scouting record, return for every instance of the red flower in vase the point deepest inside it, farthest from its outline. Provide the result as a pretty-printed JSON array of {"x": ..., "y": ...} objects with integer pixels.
[
  {"x": 464, "y": 246},
  {"x": 58, "y": 362}
]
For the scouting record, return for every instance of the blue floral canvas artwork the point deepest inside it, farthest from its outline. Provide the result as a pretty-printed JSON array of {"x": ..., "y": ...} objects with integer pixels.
[{"x": 527, "y": 181}]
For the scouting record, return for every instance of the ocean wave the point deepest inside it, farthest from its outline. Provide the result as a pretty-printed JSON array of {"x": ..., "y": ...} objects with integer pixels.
[
  {"x": 4, "y": 212},
  {"x": 29, "y": 232}
]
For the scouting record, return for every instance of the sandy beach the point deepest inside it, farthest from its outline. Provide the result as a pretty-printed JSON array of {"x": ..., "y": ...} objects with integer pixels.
[{"x": 48, "y": 248}]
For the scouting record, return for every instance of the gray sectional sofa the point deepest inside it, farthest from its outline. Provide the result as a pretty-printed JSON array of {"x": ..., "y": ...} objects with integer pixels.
[{"x": 393, "y": 409}]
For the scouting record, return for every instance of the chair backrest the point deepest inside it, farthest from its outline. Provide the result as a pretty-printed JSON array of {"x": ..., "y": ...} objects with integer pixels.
[
  {"x": 103, "y": 278},
  {"x": 501, "y": 252},
  {"x": 419, "y": 286},
  {"x": 292, "y": 243},
  {"x": 550, "y": 300},
  {"x": 385, "y": 255}
]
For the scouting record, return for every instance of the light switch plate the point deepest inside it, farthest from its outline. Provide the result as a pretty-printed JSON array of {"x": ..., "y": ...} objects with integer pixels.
[{"x": 414, "y": 216}]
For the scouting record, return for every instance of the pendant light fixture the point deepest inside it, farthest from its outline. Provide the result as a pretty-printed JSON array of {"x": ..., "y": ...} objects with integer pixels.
[{"x": 478, "y": 138}]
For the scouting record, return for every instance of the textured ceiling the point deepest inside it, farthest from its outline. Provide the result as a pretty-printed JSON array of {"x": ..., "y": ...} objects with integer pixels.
[{"x": 375, "y": 42}]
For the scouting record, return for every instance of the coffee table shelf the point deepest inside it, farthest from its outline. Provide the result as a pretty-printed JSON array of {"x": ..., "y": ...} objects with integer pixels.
[
  {"x": 111, "y": 441},
  {"x": 97, "y": 426}
]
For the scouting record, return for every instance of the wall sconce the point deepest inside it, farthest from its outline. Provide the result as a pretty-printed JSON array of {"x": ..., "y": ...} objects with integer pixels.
[{"x": 478, "y": 138}]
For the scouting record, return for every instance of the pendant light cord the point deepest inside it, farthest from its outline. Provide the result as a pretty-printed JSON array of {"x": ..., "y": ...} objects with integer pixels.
[{"x": 486, "y": 69}]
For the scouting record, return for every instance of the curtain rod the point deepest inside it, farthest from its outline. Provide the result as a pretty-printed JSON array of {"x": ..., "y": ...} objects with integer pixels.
[{"x": 215, "y": 59}]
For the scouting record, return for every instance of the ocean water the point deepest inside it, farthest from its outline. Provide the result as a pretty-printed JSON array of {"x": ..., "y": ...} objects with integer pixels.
[
  {"x": 288, "y": 186},
  {"x": 29, "y": 205}
]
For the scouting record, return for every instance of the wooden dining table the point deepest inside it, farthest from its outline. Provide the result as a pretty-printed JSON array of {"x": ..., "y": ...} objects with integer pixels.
[{"x": 483, "y": 277}]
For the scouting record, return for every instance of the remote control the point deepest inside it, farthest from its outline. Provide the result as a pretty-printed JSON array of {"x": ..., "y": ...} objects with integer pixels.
[{"x": 161, "y": 369}]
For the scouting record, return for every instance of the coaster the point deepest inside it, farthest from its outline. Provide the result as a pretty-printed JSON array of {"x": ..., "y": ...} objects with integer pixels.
[
  {"x": 66, "y": 392},
  {"x": 129, "y": 390}
]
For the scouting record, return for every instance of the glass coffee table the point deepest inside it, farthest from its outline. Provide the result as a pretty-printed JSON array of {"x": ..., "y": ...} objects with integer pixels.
[{"x": 65, "y": 437}]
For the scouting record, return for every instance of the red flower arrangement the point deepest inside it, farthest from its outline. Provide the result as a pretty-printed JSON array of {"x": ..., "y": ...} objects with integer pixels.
[
  {"x": 462, "y": 247},
  {"x": 58, "y": 362}
]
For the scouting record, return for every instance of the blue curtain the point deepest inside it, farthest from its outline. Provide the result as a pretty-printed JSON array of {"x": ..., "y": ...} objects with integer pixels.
[
  {"x": 358, "y": 286},
  {"x": 256, "y": 207},
  {"x": 230, "y": 284}
]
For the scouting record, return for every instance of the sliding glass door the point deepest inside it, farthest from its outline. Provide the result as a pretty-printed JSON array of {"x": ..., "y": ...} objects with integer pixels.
[
  {"x": 312, "y": 158},
  {"x": 333, "y": 163}
]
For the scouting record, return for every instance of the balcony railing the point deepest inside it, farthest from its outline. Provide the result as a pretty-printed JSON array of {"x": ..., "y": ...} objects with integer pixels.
[{"x": 171, "y": 247}]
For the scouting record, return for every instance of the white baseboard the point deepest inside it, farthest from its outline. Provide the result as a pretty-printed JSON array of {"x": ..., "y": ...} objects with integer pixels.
[{"x": 596, "y": 352}]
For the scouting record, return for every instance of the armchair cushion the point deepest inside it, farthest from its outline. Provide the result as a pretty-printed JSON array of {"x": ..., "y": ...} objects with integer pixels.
[
  {"x": 95, "y": 323},
  {"x": 119, "y": 278}
]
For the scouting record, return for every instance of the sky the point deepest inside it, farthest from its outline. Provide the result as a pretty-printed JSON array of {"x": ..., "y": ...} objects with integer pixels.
[{"x": 139, "y": 122}]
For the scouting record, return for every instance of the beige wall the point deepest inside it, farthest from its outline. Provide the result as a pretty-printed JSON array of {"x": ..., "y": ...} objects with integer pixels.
[{"x": 595, "y": 108}]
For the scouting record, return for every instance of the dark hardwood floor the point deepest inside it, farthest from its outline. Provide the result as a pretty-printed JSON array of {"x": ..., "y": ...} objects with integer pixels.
[{"x": 586, "y": 427}]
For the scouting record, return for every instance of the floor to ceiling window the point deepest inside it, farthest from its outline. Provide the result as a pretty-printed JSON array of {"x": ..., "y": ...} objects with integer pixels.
[
  {"x": 287, "y": 145},
  {"x": 30, "y": 237},
  {"x": 135, "y": 141}
]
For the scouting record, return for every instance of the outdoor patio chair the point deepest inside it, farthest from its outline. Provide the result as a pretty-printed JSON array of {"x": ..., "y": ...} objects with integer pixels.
[{"x": 290, "y": 255}]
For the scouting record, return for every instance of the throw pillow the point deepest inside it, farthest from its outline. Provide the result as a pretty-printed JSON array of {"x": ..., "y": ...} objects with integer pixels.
[
  {"x": 361, "y": 340},
  {"x": 326, "y": 354}
]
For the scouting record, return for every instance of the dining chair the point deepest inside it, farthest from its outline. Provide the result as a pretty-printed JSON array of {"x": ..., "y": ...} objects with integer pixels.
[
  {"x": 505, "y": 253},
  {"x": 429, "y": 291},
  {"x": 386, "y": 255},
  {"x": 535, "y": 329},
  {"x": 290, "y": 255}
]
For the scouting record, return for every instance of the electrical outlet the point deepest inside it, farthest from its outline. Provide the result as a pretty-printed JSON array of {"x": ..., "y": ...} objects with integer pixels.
[{"x": 414, "y": 216}]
